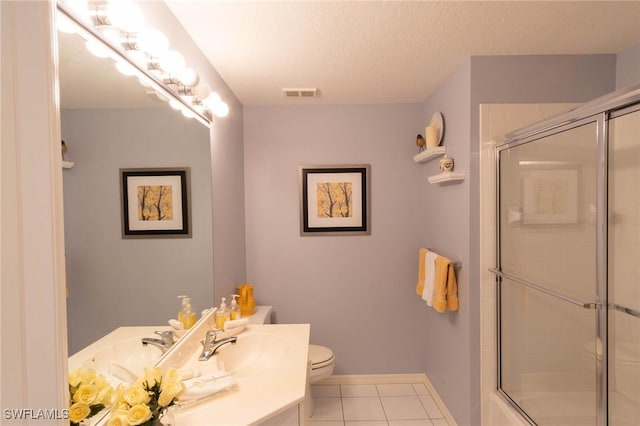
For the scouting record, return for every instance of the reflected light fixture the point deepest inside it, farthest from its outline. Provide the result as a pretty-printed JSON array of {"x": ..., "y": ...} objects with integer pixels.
[{"x": 116, "y": 28}]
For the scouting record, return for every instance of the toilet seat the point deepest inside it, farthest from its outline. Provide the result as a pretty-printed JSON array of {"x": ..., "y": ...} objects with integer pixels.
[{"x": 320, "y": 356}]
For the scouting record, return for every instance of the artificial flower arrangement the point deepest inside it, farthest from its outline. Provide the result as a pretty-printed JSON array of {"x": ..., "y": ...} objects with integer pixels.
[
  {"x": 89, "y": 393},
  {"x": 145, "y": 401}
]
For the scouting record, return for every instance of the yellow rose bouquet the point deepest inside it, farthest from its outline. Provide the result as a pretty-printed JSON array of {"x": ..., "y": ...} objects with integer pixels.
[
  {"x": 89, "y": 393},
  {"x": 145, "y": 401}
]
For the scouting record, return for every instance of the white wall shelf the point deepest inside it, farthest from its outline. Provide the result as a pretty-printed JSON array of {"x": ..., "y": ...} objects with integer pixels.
[
  {"x": 67, "y": 164},
  {"x": 446, "y": 177},
  {"x": 429, "y": 154}
]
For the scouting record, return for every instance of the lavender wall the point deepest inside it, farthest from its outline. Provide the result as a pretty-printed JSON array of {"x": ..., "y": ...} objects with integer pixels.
[
  {"x": 628, "y": 67},
  {"x": 449, "y": 356},
  {"x": 357, "y": 292}
]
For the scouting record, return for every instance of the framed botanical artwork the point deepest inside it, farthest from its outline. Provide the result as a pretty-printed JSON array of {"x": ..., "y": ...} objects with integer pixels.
[
  {"x": 335, "y": 200},
  {"x": 156, "y": 203},
  {"x": 550, "y": 197}
]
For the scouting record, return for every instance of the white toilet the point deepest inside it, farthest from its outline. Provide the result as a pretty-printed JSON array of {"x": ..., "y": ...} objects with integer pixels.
[
  {"x": 321, "y": 359},
  {"x": 321, "y": 363}
]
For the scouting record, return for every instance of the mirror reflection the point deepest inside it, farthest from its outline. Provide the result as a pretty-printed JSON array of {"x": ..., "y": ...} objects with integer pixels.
[{"x": 108, "y": 123}]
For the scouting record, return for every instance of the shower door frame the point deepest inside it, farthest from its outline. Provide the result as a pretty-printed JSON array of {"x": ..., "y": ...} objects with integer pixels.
[{"x": 598, "y": 111}]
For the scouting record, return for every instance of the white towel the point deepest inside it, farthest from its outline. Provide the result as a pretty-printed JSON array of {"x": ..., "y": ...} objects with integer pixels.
[
  {"x": 209, "y": 385},
  {"x": 429, "y": 277}
]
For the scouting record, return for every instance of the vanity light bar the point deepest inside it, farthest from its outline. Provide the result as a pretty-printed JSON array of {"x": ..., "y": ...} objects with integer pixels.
[{"x": 191, "y": 105}]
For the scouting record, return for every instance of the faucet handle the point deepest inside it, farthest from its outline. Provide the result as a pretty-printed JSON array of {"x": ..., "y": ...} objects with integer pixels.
[
  {"x": 167, "y": 337},
  {"x": 212, "y": 335}
]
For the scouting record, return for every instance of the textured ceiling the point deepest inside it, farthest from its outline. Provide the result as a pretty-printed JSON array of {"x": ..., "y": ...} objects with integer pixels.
[{"x": 391, "y": 51}]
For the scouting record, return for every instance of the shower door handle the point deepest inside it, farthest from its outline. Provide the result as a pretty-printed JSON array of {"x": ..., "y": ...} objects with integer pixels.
[
  {"x": 548, "y": 292},
  {"x": 625, "y": 310}
]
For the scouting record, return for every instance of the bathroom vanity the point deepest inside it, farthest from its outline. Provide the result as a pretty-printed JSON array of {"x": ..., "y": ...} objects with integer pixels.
[{"x": 268, "y": 364}]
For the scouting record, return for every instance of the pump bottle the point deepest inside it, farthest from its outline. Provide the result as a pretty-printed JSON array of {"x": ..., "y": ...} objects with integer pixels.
[
  {"x": 222, "y": 315},
  {"x": 234, "y": 311},
  {"x": 186, "y": 315}
]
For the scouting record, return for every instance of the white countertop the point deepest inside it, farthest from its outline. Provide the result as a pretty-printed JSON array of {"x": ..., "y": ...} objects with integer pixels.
[{"x": 277, "y": 383}]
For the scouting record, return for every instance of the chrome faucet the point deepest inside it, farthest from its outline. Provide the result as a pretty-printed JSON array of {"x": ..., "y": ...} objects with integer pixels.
[
  {"x": 210, "y": 344},
  {"x": 164, "y": 342}
]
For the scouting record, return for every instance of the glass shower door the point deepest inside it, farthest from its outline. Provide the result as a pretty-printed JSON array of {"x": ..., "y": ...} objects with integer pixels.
[
  {"x": 547, "y": 269},
  {"x": 624, "y": 268}
]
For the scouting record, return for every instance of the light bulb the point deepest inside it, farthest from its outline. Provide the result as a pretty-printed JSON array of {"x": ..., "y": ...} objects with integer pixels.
[
  {"x": 171, "y": 62},
  {"x": 221, "y": 109},
  {"x": 125, "y": 68},
  {"x": 79, "y": 7},
  {"x": 126, "y": 15},
  {"x": 175, "y": 104},
  {"x": 152, "y": 41},
  {"x": 98, "y": 49},
  {"x": 212, "y": 100},
  {"x": 65, "y": 25},
  {"x": 138, "y": 57},
  {"x": 189, "y": 77},
  {"x": 188, "y": 113}
]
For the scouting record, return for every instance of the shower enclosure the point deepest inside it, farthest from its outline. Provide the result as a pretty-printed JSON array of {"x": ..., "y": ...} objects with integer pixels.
[{"x": 568, "y": 265}]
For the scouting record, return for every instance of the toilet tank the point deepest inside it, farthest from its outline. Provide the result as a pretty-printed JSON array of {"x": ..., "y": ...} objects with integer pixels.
[{"x": 261, "y": 315}]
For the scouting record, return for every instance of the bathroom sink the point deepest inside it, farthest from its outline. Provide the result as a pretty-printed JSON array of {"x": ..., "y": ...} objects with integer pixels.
[
  {"x": 253, "y": 355},
  {"x": 125, "y": 360}
]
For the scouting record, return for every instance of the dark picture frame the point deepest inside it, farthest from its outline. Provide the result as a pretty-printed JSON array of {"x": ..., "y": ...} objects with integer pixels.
[
  {"x": 156, "y": 202},
  {"x": 335, "y": 200}
]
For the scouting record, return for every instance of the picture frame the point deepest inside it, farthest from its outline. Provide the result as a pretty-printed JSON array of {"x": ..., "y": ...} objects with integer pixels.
[
  {"x": 156, "y": 202},
  {"x": 550, "y": 197},
  {"x": 335, "y": 200}
]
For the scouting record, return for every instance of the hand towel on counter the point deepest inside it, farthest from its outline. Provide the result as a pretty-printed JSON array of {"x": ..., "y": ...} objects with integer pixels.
[
  {"x": 429, "y": 277},
  {"x": 422, "y": 253},
  {"x": 445, "y": 295}
]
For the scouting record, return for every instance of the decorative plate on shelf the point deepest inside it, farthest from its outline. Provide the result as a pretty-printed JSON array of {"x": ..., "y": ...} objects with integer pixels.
[{"x": 437, "y": 121}]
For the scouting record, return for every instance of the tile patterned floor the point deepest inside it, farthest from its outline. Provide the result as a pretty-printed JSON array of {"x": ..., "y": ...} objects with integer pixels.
[{"x": 400, "y": 404}]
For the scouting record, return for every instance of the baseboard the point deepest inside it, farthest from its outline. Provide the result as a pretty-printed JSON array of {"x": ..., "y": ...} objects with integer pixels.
[{"x": 371, "y": 379}]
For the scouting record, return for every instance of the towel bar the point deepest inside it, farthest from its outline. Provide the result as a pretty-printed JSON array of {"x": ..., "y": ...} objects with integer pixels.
[{"x": 456, "y": 264}]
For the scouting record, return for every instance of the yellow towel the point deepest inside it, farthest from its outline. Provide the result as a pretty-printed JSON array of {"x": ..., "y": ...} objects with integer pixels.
[
  {"x": 422, "y": 253},
  {"x": 446, "y": 289}
]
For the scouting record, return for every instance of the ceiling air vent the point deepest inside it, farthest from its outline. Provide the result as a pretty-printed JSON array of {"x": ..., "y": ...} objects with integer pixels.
[{"x": 301, "y": 93}]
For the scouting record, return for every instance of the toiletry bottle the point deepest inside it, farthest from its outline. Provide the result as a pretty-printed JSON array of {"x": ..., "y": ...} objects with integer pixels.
[
  {"x": 182, "y": 305},
  {"x": 234, "y": 311},
  {"x": 222, "y": 315},
  {"x": 188, "y": 315}
]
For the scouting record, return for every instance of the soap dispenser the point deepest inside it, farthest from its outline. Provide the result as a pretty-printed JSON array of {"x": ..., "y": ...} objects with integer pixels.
[
  {"x": 222, "y": 315},
  {"x": 186, "y": 315},
  {"x": 234, "y": 311},
  {"x": 181, "y": 310}
]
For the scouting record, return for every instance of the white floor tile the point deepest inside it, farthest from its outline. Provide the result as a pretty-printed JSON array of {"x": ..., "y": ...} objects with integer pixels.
[
  {"x": 400, "y": 389},
  {"x": 429, "y": 404},
  {"x": 363, "y": 408},
  {"x": 403, "y": 408},
  {"x": 323, "y": 423},
  {"x": 422, "y": 422},
  {"x": 349, "y": 391},
  {"x": 420, "y": 389},
  {"x": 325, "y": 391},
  {"x": 327, "y": 409},
  {"x": 367, "y": 423}
]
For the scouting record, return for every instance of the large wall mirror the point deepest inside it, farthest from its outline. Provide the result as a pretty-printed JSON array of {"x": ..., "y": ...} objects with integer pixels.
[{"x": 108, "y": 123}]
